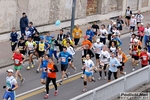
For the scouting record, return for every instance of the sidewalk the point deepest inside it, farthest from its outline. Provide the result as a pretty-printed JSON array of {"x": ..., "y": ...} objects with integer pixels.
[{"x": 5, "y": 51}]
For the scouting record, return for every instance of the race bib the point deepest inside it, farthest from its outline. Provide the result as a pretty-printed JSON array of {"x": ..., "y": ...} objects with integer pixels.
[
  {"x": 63, "y": 59},
  {"x": 16, "y": 61},
  {"x": 44, "y": 69},
  {"x": 134, "y": 52},
  {"x": 12, "y": 43},
  {"x": 144, "y": 58},
  {"x": 94, "y": 30},
  {"x": 20, "y": 47},
  {"x": 77, "y": 33}
]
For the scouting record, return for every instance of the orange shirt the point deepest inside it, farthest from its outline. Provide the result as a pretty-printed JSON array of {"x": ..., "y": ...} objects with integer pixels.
[
  {"x": 87, "y": 42},
  {"x": 51, "y": 74}
]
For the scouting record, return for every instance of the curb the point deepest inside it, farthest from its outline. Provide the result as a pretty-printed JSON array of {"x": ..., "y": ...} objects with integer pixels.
[{"x": 34, "y": 58}]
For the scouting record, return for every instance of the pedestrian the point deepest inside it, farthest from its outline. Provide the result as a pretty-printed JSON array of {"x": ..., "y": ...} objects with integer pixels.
[
  {"x": 128, "y": 14},
  {"x": 32, "y": 29},
  {"x": 103, "y": 34},
  {"x": 53, "y": 47},
  {"x": 14, "y": 38},
  {"x": 144, "y": 58},
  {"x": 41, "y": 51},
  {"x": 63, "y": 57},
  {"x": 120, "y": 24},
  {"x": 51, "y": 76},
  {"x": 109, "y": 29},
  {"x": 103, "y": 62},
  {"x": 139, "y": 17},
  {"x": 90, "y": 34},
  {"x": 23, "y": 23},
  {"x": 60, "y": 37},
  {"x": 113, "y": 64},
  {"x": 10, "y": 87},
  {"x": 18, "y": 59},
  {"x": 146, "y": 33},
  {"x": 76, "y": 34},
  {"x": 95, "y": 29},
  {"x": 132, "y": 24},
  {"x": 89, "y": 67},
  {"x": 141, "y": 31}
]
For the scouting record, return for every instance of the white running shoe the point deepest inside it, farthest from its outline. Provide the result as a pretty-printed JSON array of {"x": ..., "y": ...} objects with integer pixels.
[
  {"x": 105, "y": 78},
  {"x": 99, "y": 78},
  {"x": 37, "y": 70},
  {"x": 133, "y": 69}
]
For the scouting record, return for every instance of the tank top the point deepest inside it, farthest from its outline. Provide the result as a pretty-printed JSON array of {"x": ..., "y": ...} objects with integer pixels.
[
  {"x": 41, "y": 46},
  {"x": 17, "y": 59},
  {"x": 50, "y": 66},
  {"x": 120, "y": 58}
]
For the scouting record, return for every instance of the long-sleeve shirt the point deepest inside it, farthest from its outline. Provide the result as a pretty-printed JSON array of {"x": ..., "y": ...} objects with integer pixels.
[
  {"x": 32, "y": 30},
  {"x": 90, "y": 33},
  {"x": 13, "y": 36},
  {"x": 24, "y": 22},
  {"x": 77, "y": 33},
  {"x": 87, "y": 42},
  {"x": 64, "y": 57},
  {"x": 119, "y": 43},
  {"x": 113, "y": 61},
  {"x": 133, "y": 22},
  {"x": 139, "y": 17}
]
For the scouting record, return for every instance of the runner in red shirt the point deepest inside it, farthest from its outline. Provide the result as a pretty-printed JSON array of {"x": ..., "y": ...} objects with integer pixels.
[{"x": 144, "y": 58}]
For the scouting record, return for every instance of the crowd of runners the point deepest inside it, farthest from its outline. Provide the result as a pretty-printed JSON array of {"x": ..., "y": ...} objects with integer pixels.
[{"x": 110, "y": 58}]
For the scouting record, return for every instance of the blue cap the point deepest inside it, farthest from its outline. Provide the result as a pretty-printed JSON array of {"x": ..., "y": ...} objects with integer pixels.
[
  {"x": 41, "y": 37},
  {"x": 52, "y": 36}
]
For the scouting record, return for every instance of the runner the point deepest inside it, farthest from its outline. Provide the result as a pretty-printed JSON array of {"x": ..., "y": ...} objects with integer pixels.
[
  {"x": 103, "y": 62},
  {"x": 116, "y": 31},
  {"x": 53, "y": 50},
  {"x": 95, "y": 29},
  {"x": 63, "y": 56},
  {"x": 32, "y": 29},
  {"x": 43, "y": 69},
  {"x": 122, "y": 59},
  {"x": 21, "y": 46},
  {"x": 140, "y": 31},
  {"x": 89, "y": 67},
  {"x": 51, "y": 76},
  {"x": 148, "y": 44},
  {"x": 41, "y": 51},
  {"x": 14, "y": 39},
  {"x": 109, "y": 29},
  {"x": 135, "y": 54},
  {"x": 133, "y": 37},
  {"x": 144, "y": 58},
  {"x": 120, "y": 23},
  {"x": 97, "y": 49},
  {"x": 72, "y": 52},
  {"x": 139, "y": 17},
  {"x": 113, "y": 64},
  {"x": 103, "y": 34},
  {"x": 60, "y": 37},
  {"x": 30, "y": 46},
  {"x": 65, "y": 40},
  {"x": 90, "y": 34},
  {"x": 128, "y": 14},
  {"x": 117, "y": 40},
  {"x": 10, "y": 87},
  {"x": 132, "y": 24},
  {"x": 146, "y": 33},
  {"x": 17, "y": 57},
  {"x": 113, "y": 47},
  {"x": 27, "y": 33}
]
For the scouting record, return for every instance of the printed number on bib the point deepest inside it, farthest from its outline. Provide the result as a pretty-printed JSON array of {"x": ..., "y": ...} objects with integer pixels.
[
  {"x": 134, "y": 52},
  {"x": 63, "y": 59},
  {"x": 12, "y": 43},
  {"x": 144, "y": 58},
  {"x": 16, "y": 61}
]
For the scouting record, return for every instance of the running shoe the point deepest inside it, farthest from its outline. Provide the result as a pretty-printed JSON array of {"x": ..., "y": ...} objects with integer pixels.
[
  {"x": 99, "y": 78},
  {"x": 133, "y": 69},
  {"x": 46, "y": 96},
  {"x": 28, "y": 68},
  {"x": 56, "y": 93},
  {"x": 93, "y": 79},
  {"x": 60, "y": 83},
  {"x": 75, "y": 69},
  {"x": 32, "y": 66},
  {"x": 125, "y": 73},
  {"x": 37, "y": 70},
  {"x": 105, "y": 78},
  {"x": 67, "y": 75},
  {"x": 84, "y": 90},
  {"x": 22, "y": 80},
  {"x": 82, "y": 76}
]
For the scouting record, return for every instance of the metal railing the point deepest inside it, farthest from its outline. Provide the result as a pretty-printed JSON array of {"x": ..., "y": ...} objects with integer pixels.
[{"x": 114, "y": 88}]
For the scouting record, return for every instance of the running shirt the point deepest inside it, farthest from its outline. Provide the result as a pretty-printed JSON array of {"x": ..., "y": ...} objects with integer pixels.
[
  {"x": 128, "y": 12},
  {"x": 133, "y": 22},
  {"x": 10, "y": 82},
  {"x": 147, "y": 31},
  {"x": 71, "y": 50},
  {"x": 64, "y": 57},
  {"x": 89, "y": 65},
  {"x": 139, "y": 17},
  {"x": 44, "y": 65},
  {"x": 122, "y": 57},
  {"x": 109, "y": 27},
  {"x": 103, "y": 33},
  {"x": 30, "y": 45},
  {"x": 42, "y": 46},
  {"x": 98, "y": 47},
  {"x": 53, "y": 45},
  {"x": 52, "y": 67},
  {"x": 136, "y": 50},
  {"x": 17, "y": 59},
  {"x": 95, "y": 28},
  {"x": 115, "y": 62},
  {"x": 21, "y": 45},
  {"x": 27, "y": 34},
  {"x": 113, "y": 49},
  {"x": 144, "y": 56},
  {"x": 116, "y": 32},
  {"x": 104, "y": 56}
]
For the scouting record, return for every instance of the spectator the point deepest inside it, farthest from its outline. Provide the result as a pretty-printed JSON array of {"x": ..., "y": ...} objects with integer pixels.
[
  {"x": 23, "y": 23},
  {"x": 89, "y": 33}
]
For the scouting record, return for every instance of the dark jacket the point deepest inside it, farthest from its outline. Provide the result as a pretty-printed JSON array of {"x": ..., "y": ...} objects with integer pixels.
[{"x": 24, "y": 22}]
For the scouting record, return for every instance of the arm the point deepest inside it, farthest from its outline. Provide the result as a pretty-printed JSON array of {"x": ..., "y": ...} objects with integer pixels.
[
  {"x": 24, "y": 58},
  {"x": 120, "y": 43},
  {"x": 124, "y": 58},
  {"x": 90, "y": 44},
  {"x": 55, "y": 69},
  {"x": 117, "y": 63}
]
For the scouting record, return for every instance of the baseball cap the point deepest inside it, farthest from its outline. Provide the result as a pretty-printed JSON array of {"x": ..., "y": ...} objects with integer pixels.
[
  {"x": 41, "y": 37},
  {"x": 52, "y": 36},
  {"x": 10, "y": 70},
  {"x": 98, "y": 40},
  {"x": 142, "y": 24},
  {"x": 85, "y": 36},
  {"x": 132, "y": 15}
]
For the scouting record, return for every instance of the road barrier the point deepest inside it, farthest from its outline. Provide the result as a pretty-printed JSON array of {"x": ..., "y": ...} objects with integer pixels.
[{"x": 114, "y": 88}]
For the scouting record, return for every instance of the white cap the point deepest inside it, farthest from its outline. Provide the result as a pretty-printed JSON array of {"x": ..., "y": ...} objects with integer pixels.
[
  {"x": 114, "y": 23},
  {"x": 10, "y": 70},
  {"x": 98, "y": 40},
  {"x": 142, "y": 24},
  {"x": 132, "y": 15},
  {"x": 135, "y": 40}
]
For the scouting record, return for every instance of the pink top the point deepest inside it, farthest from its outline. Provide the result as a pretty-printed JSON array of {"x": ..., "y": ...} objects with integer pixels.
[{"x": 141, "y": 31}]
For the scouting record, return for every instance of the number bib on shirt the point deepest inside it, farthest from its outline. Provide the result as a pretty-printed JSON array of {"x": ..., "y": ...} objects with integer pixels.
[
  {"x": 144, "y": 58},
  {"x": 77, "y": 33},
  {"x": 134, "y": 52},
  {"x": 20, "y": 47},
  {"x": 12, "y": 43},
  {"x": 63, "y": 59},
  {"x": 41, "y": 47},
  {"x": 17, "y": 61}
]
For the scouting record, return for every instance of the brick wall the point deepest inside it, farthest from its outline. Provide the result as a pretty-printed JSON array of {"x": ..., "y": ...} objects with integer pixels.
[{"x": 91, "y": 7}]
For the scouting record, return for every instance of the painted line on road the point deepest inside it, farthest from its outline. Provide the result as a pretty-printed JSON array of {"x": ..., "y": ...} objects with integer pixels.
[{"x": 40, "y": 89}]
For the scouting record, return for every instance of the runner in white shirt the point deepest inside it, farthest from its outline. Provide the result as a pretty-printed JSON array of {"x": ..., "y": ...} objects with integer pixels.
[
  {"x": 139, "y": 17},
  {"x": 132, "y": 24},
  {"x": 70, "y": 60},
  {"x": 115, "y": 31},
  {"x": 97, "y": 49},
  {"x": 103, "y": 34},
  {"x": 103, "y": 62},
  {"x": 27, "y": 33},
  {"x": 146, "y": 32},
  {"x": 89, "y": 67}
]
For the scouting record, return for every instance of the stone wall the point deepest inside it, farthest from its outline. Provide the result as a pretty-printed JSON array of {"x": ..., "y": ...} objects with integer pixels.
[
  {"x": 144, "y": 3},
  {"x": 91, "y": 7},
  {"x": 133, "y": 4}
]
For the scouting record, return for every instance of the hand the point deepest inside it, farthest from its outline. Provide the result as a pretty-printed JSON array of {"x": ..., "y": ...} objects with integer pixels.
[
  {"x": 10, "y": 89},
  {"x": 113, "y": 65},
  {"x": 50, "y": 70},
  {"x": 4, "y": 87},
  {"x": 21, "y": 62}
]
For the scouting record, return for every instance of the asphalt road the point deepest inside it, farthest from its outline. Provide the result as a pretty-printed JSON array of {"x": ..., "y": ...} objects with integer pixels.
[{"x": 71, "y": 87}]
